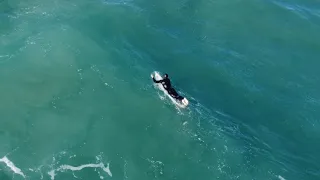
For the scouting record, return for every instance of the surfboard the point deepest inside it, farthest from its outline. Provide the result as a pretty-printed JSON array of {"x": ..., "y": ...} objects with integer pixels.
[{"x": 182, "y": 104}]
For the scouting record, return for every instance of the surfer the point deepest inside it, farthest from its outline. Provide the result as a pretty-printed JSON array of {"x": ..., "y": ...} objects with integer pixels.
[{"x": 166, "y": 83}]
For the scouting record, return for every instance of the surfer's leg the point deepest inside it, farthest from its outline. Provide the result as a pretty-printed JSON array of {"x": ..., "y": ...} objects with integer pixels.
[
  {"x": 174, "y": 94},
  {"x": 171, "y": 92}
]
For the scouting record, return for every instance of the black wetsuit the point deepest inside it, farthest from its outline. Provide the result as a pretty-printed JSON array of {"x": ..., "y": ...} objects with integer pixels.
[{"x": 167, "y": 85}]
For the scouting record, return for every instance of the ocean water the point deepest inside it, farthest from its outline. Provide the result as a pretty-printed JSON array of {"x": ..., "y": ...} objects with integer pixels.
[{"x": 77, "y": 101}]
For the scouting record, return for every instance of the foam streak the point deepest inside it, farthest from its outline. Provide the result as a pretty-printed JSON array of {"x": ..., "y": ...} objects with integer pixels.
[
  {"x": 79, "y": 168},
  {"x": 12, "y": 166},
  {"x": 72, "y": 168}
]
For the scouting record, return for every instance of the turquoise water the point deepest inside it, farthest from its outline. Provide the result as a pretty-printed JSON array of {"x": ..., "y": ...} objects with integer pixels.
[{"x": 77, "y": 101}]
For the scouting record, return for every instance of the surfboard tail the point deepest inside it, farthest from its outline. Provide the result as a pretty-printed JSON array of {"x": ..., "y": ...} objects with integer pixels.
[{"x": 185, "y": 101}]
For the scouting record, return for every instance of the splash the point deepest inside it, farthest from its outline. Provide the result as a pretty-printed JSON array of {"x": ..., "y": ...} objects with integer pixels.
[{"x": 10, "y": 164}]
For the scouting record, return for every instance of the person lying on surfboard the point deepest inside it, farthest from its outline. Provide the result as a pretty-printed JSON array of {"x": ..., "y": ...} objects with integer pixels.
[{"x": 166, "y": 83}]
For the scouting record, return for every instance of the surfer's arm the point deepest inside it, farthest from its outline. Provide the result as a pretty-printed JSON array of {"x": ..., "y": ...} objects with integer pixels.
[{"x": 156, "y": 80}]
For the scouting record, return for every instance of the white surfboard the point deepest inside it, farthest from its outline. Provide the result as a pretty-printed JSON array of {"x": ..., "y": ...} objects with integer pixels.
[{"x": 182, "y": 104}]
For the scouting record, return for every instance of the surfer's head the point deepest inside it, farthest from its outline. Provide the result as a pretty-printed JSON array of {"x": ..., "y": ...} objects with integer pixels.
[{"x": 166, "y": 75}]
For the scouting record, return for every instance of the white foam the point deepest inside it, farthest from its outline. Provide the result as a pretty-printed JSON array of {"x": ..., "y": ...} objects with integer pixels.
[
  {"x": 125, "y": 169},
  {"x": 101, "y": 177},
  {"x": 10, "y": 164},
  {"x": 281, "y": 178},
  {"x": 52, "y": 174},
  {"x": 72, "y": 168},
  {"x": 2, "y": 56},
  {"x": 108, "y": 85},
  {"x": 157, "y": 166},
  {"x": 72, "y": 156},
  {"x": 79, "y": 168},
  {"x": 37, "y": 170}
]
